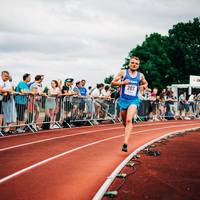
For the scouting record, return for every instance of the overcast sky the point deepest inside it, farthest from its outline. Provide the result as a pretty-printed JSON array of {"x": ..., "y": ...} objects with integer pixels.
[{"x": 86, "y": 39}]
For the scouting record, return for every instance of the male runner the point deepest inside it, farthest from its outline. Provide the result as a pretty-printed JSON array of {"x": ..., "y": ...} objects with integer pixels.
[{"x": 131, "y": 82}]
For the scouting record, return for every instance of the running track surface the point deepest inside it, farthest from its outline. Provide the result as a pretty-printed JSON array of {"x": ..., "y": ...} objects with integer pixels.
[
  {"x": 173, "y": 175},
  {"x": 70, "y": 163}
]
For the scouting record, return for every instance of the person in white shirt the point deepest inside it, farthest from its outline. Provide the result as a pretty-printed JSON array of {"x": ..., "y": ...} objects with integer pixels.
[
  {"x": 37, "y": 88},
  {"x": 99, "y": 103},
  {"x": 8, "y": 111},
  {"x": 191, "y": 102}
]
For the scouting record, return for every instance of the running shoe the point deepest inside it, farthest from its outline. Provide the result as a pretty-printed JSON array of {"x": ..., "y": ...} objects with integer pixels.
[{"x": 124, "y": 148}]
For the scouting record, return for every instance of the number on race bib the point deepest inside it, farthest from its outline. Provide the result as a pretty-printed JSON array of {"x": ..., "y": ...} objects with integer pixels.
[{"x": 130, "y": 90}]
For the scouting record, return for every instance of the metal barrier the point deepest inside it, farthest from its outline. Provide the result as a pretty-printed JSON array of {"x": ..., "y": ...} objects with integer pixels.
[{"x": 22, "y": 113}]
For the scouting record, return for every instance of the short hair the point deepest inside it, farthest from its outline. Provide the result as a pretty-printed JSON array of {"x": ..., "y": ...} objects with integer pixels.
[
  {"x": 5, "y": 72},
  {"x": 77, "y": 83},
  {"x": 135, "y": 57},
  {"x": 25, "y": 76},
  {"x": 99, "y": 85},
  {"x": 38, "y": 77},
  {"x": 107, "y": 87}
]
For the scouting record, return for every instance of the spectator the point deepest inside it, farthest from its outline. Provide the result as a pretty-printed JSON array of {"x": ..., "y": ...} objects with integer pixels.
[
  {"x": 59, "y": 102},
  {"x": 37, "y": 87},
  {"x": 99, "y": 100},
  {"x": 7, "y": 101},
  {"x": 21, "y": 99},
  {"x": 198, "y": 106},
  {"x": 50, "y": 104},
  {"x": 182, "y": 101},
  {"x": 86, "y": 100},
  {"x": 170, "y": 100},
  {"x": 191, "y": 102},
  {"x": 76, "y": 101},
  {"x": 153, "y": 105},
  {"x": 68, "y": 93}
]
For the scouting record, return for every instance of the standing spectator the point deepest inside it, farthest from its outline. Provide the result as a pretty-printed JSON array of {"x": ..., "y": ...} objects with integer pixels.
[
  {"x": 191, "y": 102},
  {"x": 7, "y": 101},
  {"x": 153, "y": 105},
  {"x": 83, "y": 89},
  {"x": 58, "y": 102},
  {"x": 21, "y": 99},
  {"x": 76, "y": 101},
  {"x": 198, "y": 106},
  {"x": 162, "y": 105},
  {"x": 90, "y": 89},
  {"x": 170, "y": 100},
  {"x": 86, "y": 99},
  {"x": 182, "y": 101},
  {"x": 37, "y": 86},
  {"x": 50, "y": 104},
  {"x": 68, "y": 92}
]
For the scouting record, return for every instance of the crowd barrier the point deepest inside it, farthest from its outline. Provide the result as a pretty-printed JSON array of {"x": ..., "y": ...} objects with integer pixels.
[{"x": 23, "y": 113}]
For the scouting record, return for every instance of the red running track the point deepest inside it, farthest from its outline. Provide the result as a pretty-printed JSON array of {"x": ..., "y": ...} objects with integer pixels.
[
  {"x": 173, "y": 175},
  {"x": 70, "y": 163}
]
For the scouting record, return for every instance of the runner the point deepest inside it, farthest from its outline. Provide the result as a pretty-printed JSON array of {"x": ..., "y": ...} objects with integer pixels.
[{"x": 130, "y": 81}]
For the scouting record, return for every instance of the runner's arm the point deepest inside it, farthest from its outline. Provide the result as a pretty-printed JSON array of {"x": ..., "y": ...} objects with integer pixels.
[
  {"x": 117, "y": 79},
  {"x": 143, "y": 82}
]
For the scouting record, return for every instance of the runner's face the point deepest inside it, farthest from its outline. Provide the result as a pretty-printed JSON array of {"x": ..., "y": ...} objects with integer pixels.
[{"x": 134, "y": 64}]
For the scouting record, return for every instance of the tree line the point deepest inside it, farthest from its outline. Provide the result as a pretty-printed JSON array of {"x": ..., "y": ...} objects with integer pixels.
[{"x": 167, "y": 60}]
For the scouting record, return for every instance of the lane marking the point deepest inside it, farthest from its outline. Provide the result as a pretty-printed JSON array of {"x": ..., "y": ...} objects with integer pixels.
[
  {"x": 61, "y": 129},
  {"x": 105, "y": 186},
  {"x": 70, "y": 151},
  {"x": 70, "y": 135},
  {"x": 74, "y": 134},
  {"x": 58, "y": 137},
  {"x": 101, "y": 125}
]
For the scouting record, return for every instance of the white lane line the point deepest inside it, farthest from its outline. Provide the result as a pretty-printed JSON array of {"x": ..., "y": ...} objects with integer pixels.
[
  {"x": 100, "y": 193},
  {"x": 58, "y": 137},
  {"x": 70, "y": 151},
  {"x": 62, "y": 129},
  {"x": 102, "y": 125},
  {"x": 74, "y": 134}
]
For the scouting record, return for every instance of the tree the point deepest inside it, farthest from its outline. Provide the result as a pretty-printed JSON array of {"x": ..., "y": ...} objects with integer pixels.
[
  {"x": 155, "y": 63},
  {"x": 108, "y": 79},
  {"x": 184, "y": 49},
  {"x": 170, "y": 59}
]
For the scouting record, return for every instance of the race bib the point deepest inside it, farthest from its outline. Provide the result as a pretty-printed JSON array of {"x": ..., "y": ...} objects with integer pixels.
[{"x": 130, "y": 90}]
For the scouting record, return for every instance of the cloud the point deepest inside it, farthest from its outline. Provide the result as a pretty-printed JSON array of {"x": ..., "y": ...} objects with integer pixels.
[{"x": 84, "y": 39}]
